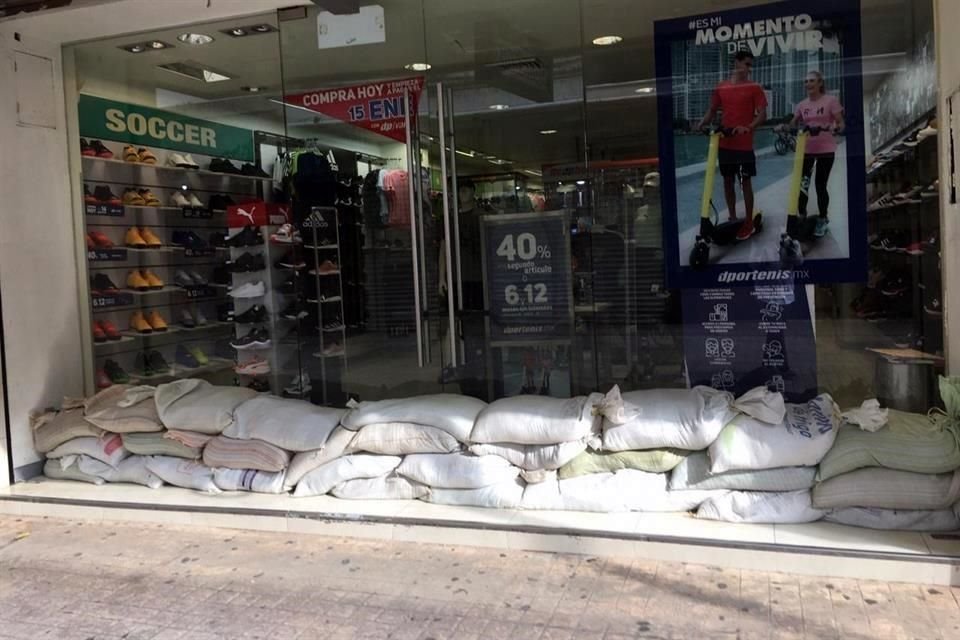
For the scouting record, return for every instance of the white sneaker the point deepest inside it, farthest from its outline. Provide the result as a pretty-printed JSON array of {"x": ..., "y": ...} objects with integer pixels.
[
  {"x": 189, "y": 162},
  {"x": 299, "y": 385},
  {"x": 195, "y": 201},
  {"x": 248, "y": 290},
  {"x": 179, "y": 200},
  {"x": 286, "y": 234},
  {"x": 176, "y": 160}
]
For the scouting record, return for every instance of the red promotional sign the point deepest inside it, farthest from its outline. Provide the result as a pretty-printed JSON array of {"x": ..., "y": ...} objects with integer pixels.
[{"x": 375, "y": 106}]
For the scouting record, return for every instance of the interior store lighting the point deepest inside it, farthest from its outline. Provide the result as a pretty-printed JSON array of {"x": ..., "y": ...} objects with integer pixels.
[
  {"x": 418, "y": 66},
  {"x": 499, "y": 107},
  {"x": 547, "y": 132},
  {"x": 606, "y": 41},
  {"x": 151, "y": 45},
  {"x": 196, "y": 39}
]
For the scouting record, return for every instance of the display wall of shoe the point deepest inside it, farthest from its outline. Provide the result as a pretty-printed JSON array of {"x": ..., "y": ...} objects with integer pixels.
[{"x": 101, "y": 150}]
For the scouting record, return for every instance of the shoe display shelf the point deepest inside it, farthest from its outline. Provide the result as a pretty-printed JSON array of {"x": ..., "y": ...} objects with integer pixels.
[{"x": 166, "y": 169}]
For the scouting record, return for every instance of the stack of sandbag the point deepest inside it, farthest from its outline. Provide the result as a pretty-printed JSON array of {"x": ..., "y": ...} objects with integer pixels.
[
  {"x": 767, "y": 468},
  {"x": 903, "y": 475}
]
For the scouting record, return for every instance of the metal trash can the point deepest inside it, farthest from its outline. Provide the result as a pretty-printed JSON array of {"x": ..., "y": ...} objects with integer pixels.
[{"x": 905, "y": 385}]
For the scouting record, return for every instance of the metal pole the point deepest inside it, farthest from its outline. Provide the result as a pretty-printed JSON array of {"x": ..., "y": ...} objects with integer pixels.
[
  {"x": 446, "y": 226},
  {"x": 413, "y": 227}
]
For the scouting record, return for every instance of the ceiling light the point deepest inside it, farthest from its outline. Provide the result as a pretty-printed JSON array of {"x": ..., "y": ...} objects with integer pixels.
[
  {"x": 248, "y": 30},
  {"x": 533, "y": 173},
  {"x": 236, "y": 33},
  {"x": 137, "y": 48},
  {"x": 252, "y": 89},
  {"x": 195, "y": 38},
  {"x": 605, "y": 41},
  {"x": 581, "y": 182},
  {"x": 156, "y": 44},
  {"x": 644, "y": 90},
  {"x": 418, "y": 66},
  {"x": 263, "y": 28},
  {"x": 548, "y": 132},
  {"x": 499, "y": 107},
  {"x": 151, "y": 45},
  {"x": 469, "y": 154},
  {"x": 195, "y": 71}
]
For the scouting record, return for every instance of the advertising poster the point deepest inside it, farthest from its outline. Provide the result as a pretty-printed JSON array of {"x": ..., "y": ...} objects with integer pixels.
[
  {"x": 746, "y": 337},
  {"x": 761, "y": 135}
]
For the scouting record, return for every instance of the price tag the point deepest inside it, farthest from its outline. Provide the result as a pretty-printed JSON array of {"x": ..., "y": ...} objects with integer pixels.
[
  {"x": 197, "y": 213},
  {"x": 104, "y": 210},
  {"x": 107, "y": 255},
  {"x": 112, "y": 300},
  {"x": 205, "y": 252},
  {"x": 201, "y": 291}
]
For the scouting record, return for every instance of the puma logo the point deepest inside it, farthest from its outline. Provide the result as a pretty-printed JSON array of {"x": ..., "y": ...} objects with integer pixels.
[{"x": 245, "y": 214}]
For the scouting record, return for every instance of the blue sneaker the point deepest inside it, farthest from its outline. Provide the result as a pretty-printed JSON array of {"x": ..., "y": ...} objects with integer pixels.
[
  {"x": 821, "y": 229},
  {"x": 185, "y": 358}
]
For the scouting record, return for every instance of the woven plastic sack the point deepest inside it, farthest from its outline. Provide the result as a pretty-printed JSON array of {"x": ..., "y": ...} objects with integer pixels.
[
  {"x": 761, "y": 507},
  {"x": 693, "y": 472},
  {"x": 327, "y": 476},
  {"x": 457, "y": 470},
  {"x": 401, "y": 438},
  {"x": 449, "y": 412},
  {"x": 387, "y": 487},
  {"x": 649, "y": 460},
  {"x": 533, "y": 457}
]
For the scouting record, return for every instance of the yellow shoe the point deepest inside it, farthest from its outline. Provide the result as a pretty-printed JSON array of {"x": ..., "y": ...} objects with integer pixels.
[
  {"x": 150, "y": 238},
  {"x": 134, "y": 239},
  {"x": 152, "y": 280},
  {"x": 139, "y": 324},
  {"x": 156, "y": 321},
  {"x": 149, "y": 199},
  {"x": 137, "y": 282},
  {"x": 130, "y": 154},
  {"x": 131, "y": 197},
  {"x": 146, "y": 156}
]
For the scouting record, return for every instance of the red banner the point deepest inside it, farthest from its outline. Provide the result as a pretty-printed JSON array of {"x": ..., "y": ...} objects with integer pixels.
[{"x": 375, "y": 106}]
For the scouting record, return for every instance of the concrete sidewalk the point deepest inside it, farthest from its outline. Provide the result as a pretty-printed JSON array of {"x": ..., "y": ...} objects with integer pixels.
[{"x": 73, "y": 580}]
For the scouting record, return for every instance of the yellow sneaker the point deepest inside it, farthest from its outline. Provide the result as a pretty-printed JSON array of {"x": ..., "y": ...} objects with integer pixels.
[
  {"x": 134, "y": 239},
  {"x": 149, "y": 199},
  {"x": 150, "y": 238},
  {"x": 146, "y": 156},
  {"x": 152, "y": 280},
  {"x": 131, "y": 197},
  {"x": 137, "y": 282},
  {"x": 130, "y": 154},
  {"x": 156, "y": 321},
  {"x": 139, "y": 324}
]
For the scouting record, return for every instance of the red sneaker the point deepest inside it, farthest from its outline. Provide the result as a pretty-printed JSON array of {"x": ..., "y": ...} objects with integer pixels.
[
  {"x": 103, "y": 381},
  {"x": 101, "y": 240},
  {"x": 746, "y": 230},
  {"x": 91, "y": 245},
  {"x": 110, "y": 330},
  {"x": 98, "y": 334}
]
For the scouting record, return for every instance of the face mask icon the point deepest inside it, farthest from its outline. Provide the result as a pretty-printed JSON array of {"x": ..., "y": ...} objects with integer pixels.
[
  {"x": 711, "y": 348},
  {"x": 726, "y": 348}
]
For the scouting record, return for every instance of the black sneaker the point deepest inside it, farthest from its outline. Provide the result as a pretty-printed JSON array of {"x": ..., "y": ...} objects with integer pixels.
[
  {"x": 254, "y": 339},
  {"x": 290, "y": 260},
  {"x": 188, "y": 240},
  {"x": 248, "y": 263},
  {"x": 102, "y": 283},
  {"x": 290, "y": 286},
  {"x": 225, "y": 312},
  {"x": 217, "y": 239},
  {"x": 296, "y": 310},
  {"x": 115, "y": 372},
  {"x": 256, "y": 313},
  {"x": 253, "y": 171},
  {"x": 222, "y": 165},
  {"x": 249, "y": 236},
  {"x": 221, "y": 275},
  {"x": 333, "y": 325},
  {"x": 932, "y": 305},
  {"x": 157, "y": 362},
  {"x": 894, "y": 285},
  {"x": 219, "y": 202}
]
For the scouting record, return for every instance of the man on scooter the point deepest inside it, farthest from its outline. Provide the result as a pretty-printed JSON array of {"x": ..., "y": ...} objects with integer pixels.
[{"x": 743, "y": 107}]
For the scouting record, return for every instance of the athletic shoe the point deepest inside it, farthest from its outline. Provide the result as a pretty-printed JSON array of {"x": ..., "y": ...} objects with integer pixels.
[
  {"x": 915, "y": 248},
  {"x": 333, "y": 325},
  {"x": 98, "y": 333},
  {"x": 179, "y": 200},
  {"x": 322, "y": 241},
  {"x": 249, "y": 236},
  {"x": 189, "y": 162},
  {"x": 146, "y": 156},
  {"x": 220, "y": 202},
  {"x": 256, "y": 313},
  {"x": 290, "y": 286},
  {"x": 186, "y": 319},
  {"x": 253, "y": 171},
  {"x": 201, "y": 319},
  {"x": 821, "y": 228},
  {"x": 149, "y": 199},
  {"x": 141, "y": 365},
  {"x": 332, "y": 349},
  {"x": 746, "y": 230},
  {"x": 912, "y": 140},
  {"x": 201, "y": 357},
  {"x": 153, "y": 242},
  {"x": 894, "y": 285},
  {"x": 929, "y": 130},
  {"x": 156, "y": 321},
  {"x": 182, "y": 279},
  {"x": 255, "y": 366},
  {"x": 137, "y": 282},
  {"x": 296, "y": 310},
  {"x": 103, "y": 380},
  {"x": 217, "y": 239},
  {"x": 910, "y": 195},
  {"x": 153, "y": 281},
  {"x": 186, "y": 359},
  {"x": 247, "y": 263},
  {"x": 139, "y": 323},
  {"x": 101, "y": 283},
  {"x": 132, "y": 197},
  {"x": 130, "y": 154},
  {"x": 222, "y": 165},
  {"x": 86, "y": 149},
  {"x": 932, "y": 306},
  {"x": 115, "y": 372},
  {"x": 188, "y": 240},
  {"x": 101, "y": 150},
  {"x": 248, "y": 290},
  {"x": 254, "y": 339},
  {"x": 134, "y": 239},
  {"x": 286, "y": 234},
  {"x": 300, "y": 385},
  {"x": 328, "y": 267},
  {"x": 103, "y": 194},
  {"x": 110, "y": 330},
  {"x": 290, "y": 260},
  {"x": 100, "y": 240},
  {"x": 157, "y": 362},
  {"x": 198, "y": 278}
]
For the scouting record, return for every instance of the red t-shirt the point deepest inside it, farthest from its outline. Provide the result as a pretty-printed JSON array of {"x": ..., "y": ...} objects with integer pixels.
[{"x": 740, "y": 103}]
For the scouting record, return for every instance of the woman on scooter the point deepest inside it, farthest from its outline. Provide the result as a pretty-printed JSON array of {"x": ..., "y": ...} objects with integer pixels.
[{"x": 823, "y": 111}]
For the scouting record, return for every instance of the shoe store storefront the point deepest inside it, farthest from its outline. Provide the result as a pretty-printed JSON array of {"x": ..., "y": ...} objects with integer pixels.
[{"x": 664, "y": 272}]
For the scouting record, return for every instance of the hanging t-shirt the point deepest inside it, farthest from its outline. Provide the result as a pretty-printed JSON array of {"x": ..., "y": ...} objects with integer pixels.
[
  {"x": 396, "y": 185},
  {"x": 740, "y": 103},
  {"x": 822, "y": 112}
]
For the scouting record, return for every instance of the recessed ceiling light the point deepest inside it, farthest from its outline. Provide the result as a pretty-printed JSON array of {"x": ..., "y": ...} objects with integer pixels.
[
  {"x": 581, "y": 182},
  {"x": 644, "y": 90},
  {"x": 499, "y": 107},
  {"x": 236, "y": 33},
  {"x": 137, "y": 48},
  {"x": 548, "y": 132},
  {"x": 605, "y": 41},
  {"x": 195, "y": 38},
  {"x": 262, "y": 28},
  {"x": 156, "y": 44},
  {"x": 249, "y": 30},
  {"x": 418, "y": 66},
  {"x": 151, "y": 45},
  {"x": 195, "y": 71},
  {"x": 252, "y": 89}
]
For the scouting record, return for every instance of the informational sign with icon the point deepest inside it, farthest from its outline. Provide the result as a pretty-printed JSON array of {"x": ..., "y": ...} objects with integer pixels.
[{"x": 743, "y": 337}]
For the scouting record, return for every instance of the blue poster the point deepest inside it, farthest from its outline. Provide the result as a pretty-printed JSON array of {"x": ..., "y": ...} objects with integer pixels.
[
  {"x": 763, "y": 179},
  {"x": 738, "y": 338}
]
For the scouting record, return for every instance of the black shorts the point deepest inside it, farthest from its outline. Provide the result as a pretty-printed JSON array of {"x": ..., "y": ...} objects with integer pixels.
[{"x": 737, "y": 162}]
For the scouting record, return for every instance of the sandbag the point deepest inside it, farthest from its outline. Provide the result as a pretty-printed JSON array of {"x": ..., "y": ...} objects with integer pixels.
[
  {"x": 541, "y": 420},
  {"x": 244, "y": 454},
  {"x": 196, "y": 405},
  {"x": 802, "y": 439},
  {"x": 66, "y": 469},
  {"x": 187, "y": 474},
  {"x": 503, "y": 495},
  {"x": 132, "y": 470},
  {"x": 158, "y": 444},
  {"x": 693, "y": 472},
  {"x": 387, "y": 487},
  {"x": 302, "y": 463},
  {"x": 533, "y": 457},
  {"x": 895, "y": 519},
  {"x": 457, "y": 470},
  {"x": 449, "y": 412},
  {"x": 327, "y": 476},
  {"x": 294, "y": 425},
  {"x": 625, "y": 490},
  {"x": 909, "y": 442},
  {"x": 249, "y": 480},
  {"x": 888, "y": 489},
  {"x": 108, "y": 449},
  {"x": 761, "y": 507},
  {"x": 401, "y": 438},
  {"x": 53, "y": 428},
  {"x": 649, "y": 460},
  {"x": 124, "y": 408}
]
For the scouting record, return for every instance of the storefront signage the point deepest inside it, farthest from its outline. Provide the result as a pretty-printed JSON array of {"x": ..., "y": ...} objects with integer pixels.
[
  {"x": 743, "y": 337},
  {"x": 142, "y": 126},
  {"x": 527, "y": 278},
  {"x": 375, "y": 106},
  {"x": 741, "y": 73}
]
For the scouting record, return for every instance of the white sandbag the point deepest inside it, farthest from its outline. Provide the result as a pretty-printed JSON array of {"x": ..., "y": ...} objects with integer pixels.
[
  {"x": 325, "y": 477},
  {"x": 624, "y": 490},
  {"x": 108, "y": 450},
  {"x": 543, "y": 495},
  {"x": 196, "y": 405},
  {"x": 249, "y": 480},
  {"x": 388, "y": 487},
  {"x": 802, "y": 439},
  {"x": 693, "y": 472},
  {"x": 457, "y": 470},
  {"x": 401, "y": 438},
  {"x": 895, "y": 519},
  {"x": 450, "y": 412},
  {"x": 686, "y": 500},
  {"x": 504, "y": 495},
  {"x": 533, "y": 457},
  {"x": 123, "y": 408},
  {"x": 659, "y": 418},
  {"x": 761, "y": 507},
  {"x": 66, "y": 469},
  {"x": 132, "y": 470},
  {"x": 179, "y": 472},
  {"x": 888, "y": 489},
  {"x": 302, "y": 463},
  {"x": 537, "y": 420},
  {"x": 294, "y": 425}
]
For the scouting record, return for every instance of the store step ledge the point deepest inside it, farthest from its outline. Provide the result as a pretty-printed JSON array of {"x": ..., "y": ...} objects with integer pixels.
[{"x": 818, "y": 549}]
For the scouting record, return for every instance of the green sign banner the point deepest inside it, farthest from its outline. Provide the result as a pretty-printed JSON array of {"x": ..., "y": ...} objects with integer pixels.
[{"x": 141, "y": 126}]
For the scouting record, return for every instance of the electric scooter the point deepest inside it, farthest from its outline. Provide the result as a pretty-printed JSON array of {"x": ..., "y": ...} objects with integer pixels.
[
  {"x": 800, "y": 228},
  {"x": 711, "y": 232}
]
